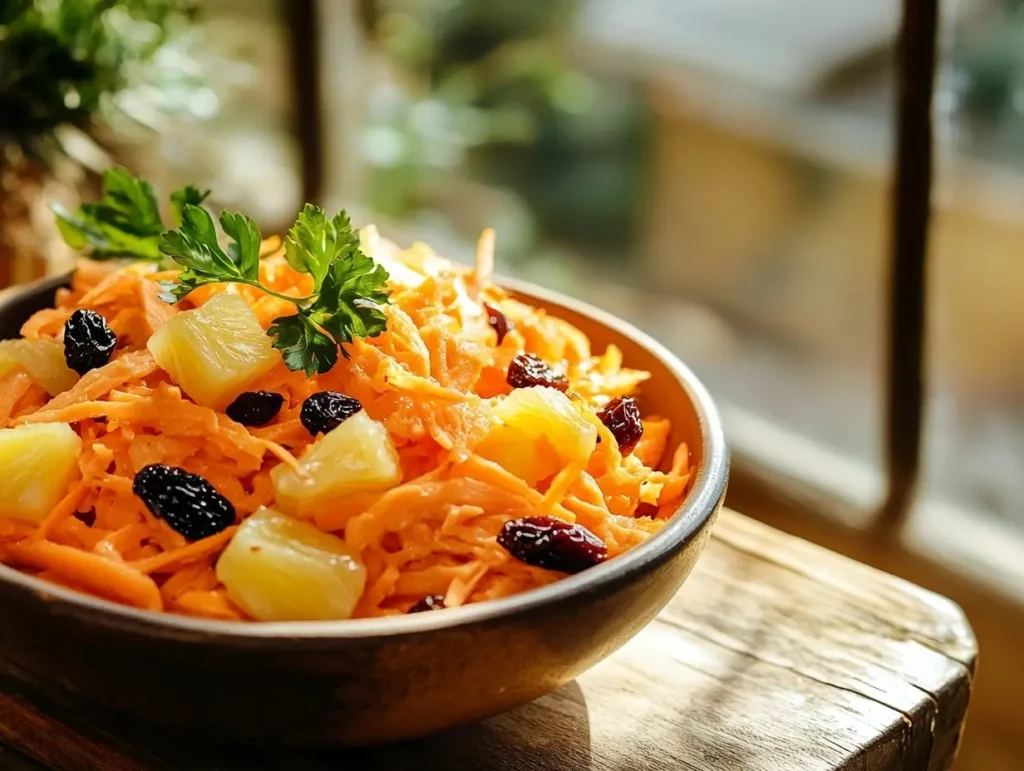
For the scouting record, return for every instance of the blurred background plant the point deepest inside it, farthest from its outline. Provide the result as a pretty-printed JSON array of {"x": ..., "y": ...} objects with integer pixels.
[
  {"x": 488, "y": 92},
  {"x": 75, "y": 74},
  {"x": 987, "y": 82}
]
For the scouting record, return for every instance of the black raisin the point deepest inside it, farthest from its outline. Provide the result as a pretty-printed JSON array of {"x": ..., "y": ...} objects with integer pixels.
[
  {"x": 326, "y": 410},
  {"x": 430, "y": 602},
  {"x": 187, "y": 502},
  {"x": 87, "y": 518},
  {"x": 622, "y": 417},
  {"x": 498, "y": 322},
  {"x": 548, "y": 542},
  {"x": 527, "y": 370},
  {"x": 255, "y": 408},
  {"x": 88, "y": 341}
]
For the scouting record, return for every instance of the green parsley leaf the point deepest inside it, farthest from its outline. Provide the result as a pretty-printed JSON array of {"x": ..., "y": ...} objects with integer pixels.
[
  {"x": 196, "y": 247},
  {"x": 349, "y": 288},
  {"x": 183, "y": 195},
  {"x": 128, "y": 203},
  {"x": 304, "y": 346},
  {"x": 349, "y": 302},
  {"x": 126, "y": 222},
  {"x": 315, "y": 242},
  {"x": 173, "y": 291},
  {"x": 245, "y": 247},
  {"x": 102, "y": 241}
]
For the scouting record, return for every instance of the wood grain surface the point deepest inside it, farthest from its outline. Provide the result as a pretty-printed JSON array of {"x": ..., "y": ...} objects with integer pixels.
[{"x": 775, "y": 655}]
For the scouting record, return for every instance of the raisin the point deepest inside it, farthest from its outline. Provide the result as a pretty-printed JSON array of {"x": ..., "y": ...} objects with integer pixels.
[
  {"x": 255, "y": 408},
  {"x": 187, "y": 502},
  {"x": 648, "y": 510},
  {"x": 430, "y": 602},
  {"x": 326, "y": 410},
  {"x": 498, "y": 322},
  {"x": 88, "y": 341},
  {"x": 622, "y": 417},
  {"x": 548, "y": 542},
  {"x": 527, "y": 370},
  {"x": 87, "y": 518}
]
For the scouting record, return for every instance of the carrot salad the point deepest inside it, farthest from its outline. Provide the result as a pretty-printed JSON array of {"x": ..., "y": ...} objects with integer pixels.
[{"x": 435, "y": 379}]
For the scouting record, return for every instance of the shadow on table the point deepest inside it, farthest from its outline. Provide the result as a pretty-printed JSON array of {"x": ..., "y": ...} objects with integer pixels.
[
  {"x": 719, "y": 678},
  {"x": 550, "y": 733}
]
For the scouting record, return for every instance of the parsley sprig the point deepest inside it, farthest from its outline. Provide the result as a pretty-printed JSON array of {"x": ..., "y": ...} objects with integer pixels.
[
  {"x": 349, "y": 288},
  {"x": 126, "y": 222}
]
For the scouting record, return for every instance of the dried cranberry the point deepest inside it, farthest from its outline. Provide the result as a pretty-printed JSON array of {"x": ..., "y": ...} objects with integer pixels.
[
  {"x": 187, "y": 502},
  {"x": 326, "y": 410},
  {"x": 622, "y": 417},
  {"x": 88, "y": 341},
  {"x": 548, "y": 542},
  {"x": 255, "y": 408},
  {"x": 527, "y": 370},
  {"x": 430, "y": 602},
  {"x": 498, "y": 322}
]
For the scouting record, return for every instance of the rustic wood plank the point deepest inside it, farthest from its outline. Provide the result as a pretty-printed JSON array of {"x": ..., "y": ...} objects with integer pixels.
[{"x": 776, "y": 655}]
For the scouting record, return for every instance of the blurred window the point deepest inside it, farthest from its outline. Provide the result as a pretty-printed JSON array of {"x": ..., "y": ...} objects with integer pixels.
[
  {"x": 226, "y": 118},
  {"x": 718, "y": 172},
  {"x": 976, "y": 427},
  {"x": 714, "y": 171}
]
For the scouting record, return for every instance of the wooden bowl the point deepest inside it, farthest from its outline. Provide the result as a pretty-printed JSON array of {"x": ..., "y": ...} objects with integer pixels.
[{"x": 370, "y": 680}]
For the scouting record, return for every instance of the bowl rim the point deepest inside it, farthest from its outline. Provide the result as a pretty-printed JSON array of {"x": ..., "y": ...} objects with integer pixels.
[{"x": 697, "y": 507}]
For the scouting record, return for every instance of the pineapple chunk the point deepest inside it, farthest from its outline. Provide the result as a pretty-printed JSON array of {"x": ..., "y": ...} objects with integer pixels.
[
  {"x": 538, "y": 432},
  {"x": 37, "y": 464},
  {"x": 356, "y": 457},
  {"x": 43, "y": 359},
  {"x": 280, "y": 569},
  {"x": 215, "y": 351}
]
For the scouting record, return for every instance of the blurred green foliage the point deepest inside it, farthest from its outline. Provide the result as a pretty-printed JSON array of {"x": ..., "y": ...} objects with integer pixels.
[
  {"x": 987, "y": 82},
  {"x": 988, "y": 55},
  {"x": 63, "y": 61},
  {"x": 488, "y": 90}
]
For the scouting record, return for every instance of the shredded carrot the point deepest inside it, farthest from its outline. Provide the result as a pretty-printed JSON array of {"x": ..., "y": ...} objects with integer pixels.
[
  {"x": 14, "y": 530},
  {"x": 67, "y": 506},
  {"x": 125, "y": 369},
  {"x": 651, "y": 446},
  {"x": 13, "y": 386},
  {"x": 198, "y": 576},
  {"x": 91, "y": 572},
  {"x": 432, "y": 379},
  {"x": 185, "y": 554},
  {"x": 209, "y": 604}
]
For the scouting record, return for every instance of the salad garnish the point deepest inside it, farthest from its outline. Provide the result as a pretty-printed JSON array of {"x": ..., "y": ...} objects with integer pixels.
[{"x": 349, "y": 287}]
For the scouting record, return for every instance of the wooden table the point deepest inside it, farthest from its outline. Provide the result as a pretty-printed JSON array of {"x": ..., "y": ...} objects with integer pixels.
[{"x": 775, "y": 655}]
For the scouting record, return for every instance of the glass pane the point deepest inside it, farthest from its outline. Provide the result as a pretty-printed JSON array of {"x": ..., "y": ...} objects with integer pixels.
[
  {"x": 223, "y": 114},
  {"x": 714, "y": 171},
  {"x": 975, "y": 438}
]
